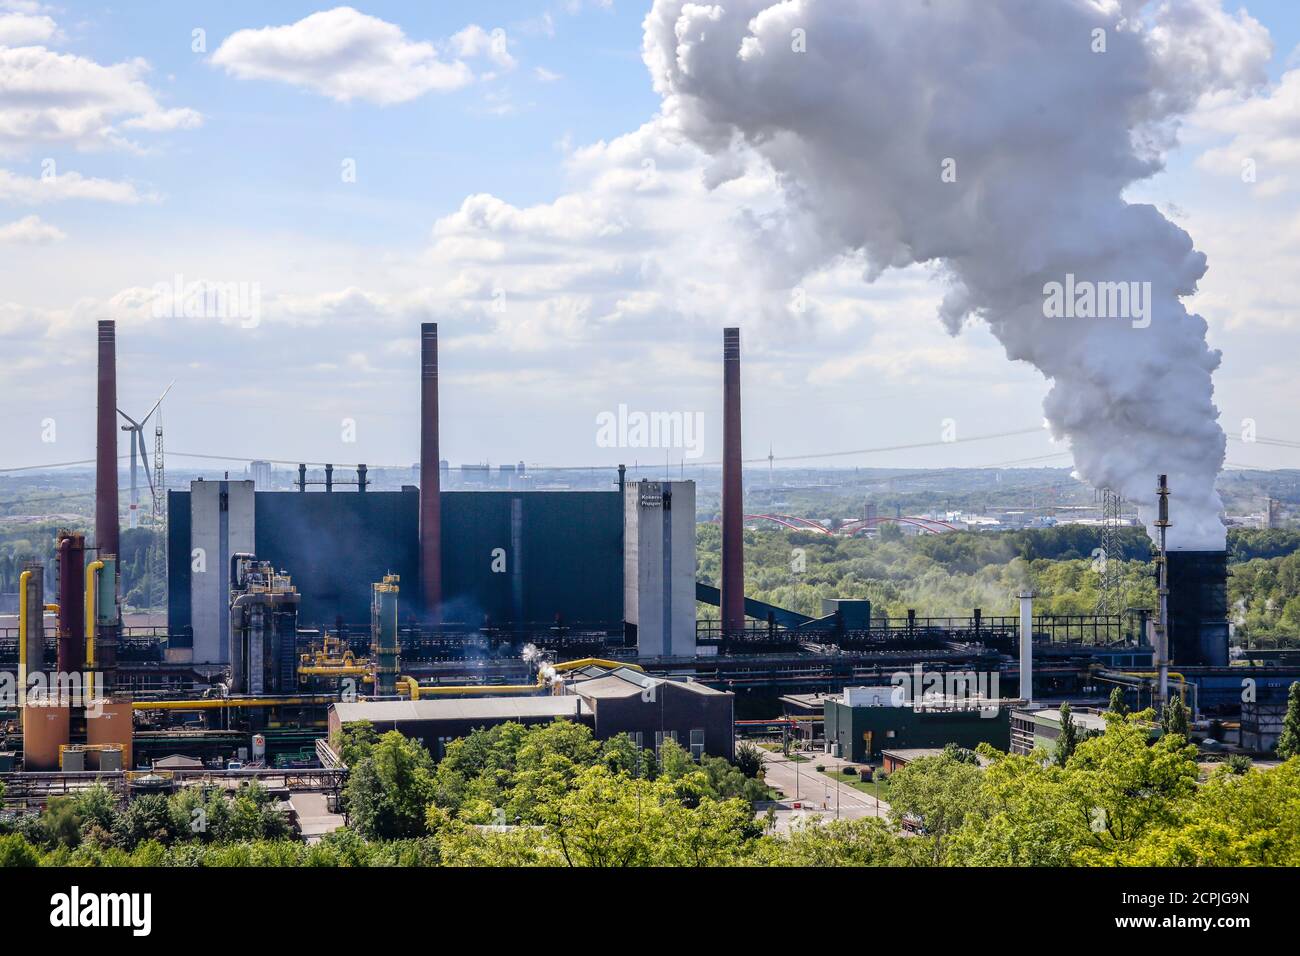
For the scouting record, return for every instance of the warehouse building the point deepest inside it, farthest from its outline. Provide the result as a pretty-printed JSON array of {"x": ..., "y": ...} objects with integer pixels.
[
  {"x": 1041, "y": 728},
  {"x": 864, "y": 721},
  {"x": 615, "y": 701},
  {"x": 435, "y": 723}
]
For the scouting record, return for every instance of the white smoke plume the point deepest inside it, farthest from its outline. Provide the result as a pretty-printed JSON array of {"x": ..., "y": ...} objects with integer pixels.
[{"x": 992, "y": 139}]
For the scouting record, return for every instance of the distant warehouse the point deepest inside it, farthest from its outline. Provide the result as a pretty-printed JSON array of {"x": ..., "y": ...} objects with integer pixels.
[{"x": 609, "y": 701}]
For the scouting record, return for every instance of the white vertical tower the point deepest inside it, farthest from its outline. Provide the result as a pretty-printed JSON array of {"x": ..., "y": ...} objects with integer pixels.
[
  {"x": 659, "y": 566},
  {"x": 1027, "y": 645}
]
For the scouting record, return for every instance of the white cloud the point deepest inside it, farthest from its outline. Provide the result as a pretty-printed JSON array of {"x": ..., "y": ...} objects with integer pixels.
[
  {"x": 474, "y": 41},
  {"x": 545, "y": 75},
  {"x": 1265, "y": 136},
  {"x": 59, "y": 99},
  {"x": 32, "y": 190},
  {"x": 20, "y": 29},
  {"x": 30, "y": 231},
  {"x": 345, "y": 55}
]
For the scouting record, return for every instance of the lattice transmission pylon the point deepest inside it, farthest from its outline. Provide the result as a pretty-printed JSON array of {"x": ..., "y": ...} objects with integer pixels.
[{"x": 1111, "y": 595}]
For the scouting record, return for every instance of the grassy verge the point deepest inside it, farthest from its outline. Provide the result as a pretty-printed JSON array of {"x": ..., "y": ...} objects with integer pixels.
[{"x": 880, "y": 789}]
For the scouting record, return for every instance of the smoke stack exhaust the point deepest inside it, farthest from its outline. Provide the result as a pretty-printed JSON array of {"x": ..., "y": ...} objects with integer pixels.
[
  {"x": 430, "y": 501},
  {"x": 733, "y": 494},
  {"x": 106, "y": 517}
]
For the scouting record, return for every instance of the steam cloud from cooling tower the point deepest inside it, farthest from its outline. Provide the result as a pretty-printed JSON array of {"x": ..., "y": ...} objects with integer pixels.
[{"x": 1043, "y": 133}]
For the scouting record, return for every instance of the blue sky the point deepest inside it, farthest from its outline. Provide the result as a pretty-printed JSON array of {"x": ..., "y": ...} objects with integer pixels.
[{"x": 612, "y": 300}]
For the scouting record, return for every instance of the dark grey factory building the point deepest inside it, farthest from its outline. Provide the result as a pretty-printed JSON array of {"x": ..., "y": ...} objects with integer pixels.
[{"x": 509, "y": 557}]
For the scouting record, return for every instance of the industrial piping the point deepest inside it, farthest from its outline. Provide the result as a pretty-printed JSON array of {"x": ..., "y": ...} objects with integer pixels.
[
  {"x": 414, "y": 690},
  {"x": 430, "y": 491},
  {"x": 92, "y": 613},
  {"x": 72, "y": 603},
  {"x": 23, "y": 580},
  {"x": 733, "y": 507}
]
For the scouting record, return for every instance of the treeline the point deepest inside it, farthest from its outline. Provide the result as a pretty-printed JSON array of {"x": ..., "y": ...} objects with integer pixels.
[
  {"x": 90, "y": 828},
  {"x": 553, "y": 796},
  {"x": 947, "y": 575},
  {"x": 142, "y": 562}
]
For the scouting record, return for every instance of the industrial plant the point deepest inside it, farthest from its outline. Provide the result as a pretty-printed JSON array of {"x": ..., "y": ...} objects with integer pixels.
[{"x": 293, "y": 613}]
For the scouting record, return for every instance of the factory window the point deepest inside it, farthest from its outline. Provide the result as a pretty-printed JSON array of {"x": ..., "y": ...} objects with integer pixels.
[
  {"x": 697, "y": 744},
  {"x": 638, "y": 738},
  {"x": 662, "y": 735},
  {"x": 442, "y": 746}
]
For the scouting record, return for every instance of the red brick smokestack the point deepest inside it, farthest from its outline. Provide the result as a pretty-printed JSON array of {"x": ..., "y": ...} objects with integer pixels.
[
  {"x": 733, "y": 494},
  {"x": 106, "y": 517},
  {"x": 430, "y": 502}
]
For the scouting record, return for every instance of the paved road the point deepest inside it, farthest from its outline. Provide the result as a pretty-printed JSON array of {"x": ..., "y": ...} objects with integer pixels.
[
  {"x": 816, "y": 794},
  {"x": 314, "y": 817}
]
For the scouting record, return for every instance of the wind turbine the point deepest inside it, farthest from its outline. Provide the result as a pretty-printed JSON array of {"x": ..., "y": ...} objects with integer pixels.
[{"x": 137, "y": 451}]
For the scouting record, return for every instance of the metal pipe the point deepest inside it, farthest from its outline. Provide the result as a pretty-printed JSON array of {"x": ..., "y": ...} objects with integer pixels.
[
  {"x": 237, "y": 580},
  {"x": 732, "y": 599},
  {"x": 595, "y": 662},
  {"x": 415, "y": 690},
  {"x": 225, "y": 703},
  {"x": 1027, "y": 645},
  {"x": 106, "y": 516},
  {"x": 22, "y": 636},
  {"x": 430, "y": 490},
  {"x": 92, "y": 609}
]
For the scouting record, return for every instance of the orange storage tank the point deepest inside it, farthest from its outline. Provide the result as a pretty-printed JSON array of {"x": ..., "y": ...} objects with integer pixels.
[
  {"x": 45, "y": 729},
  {"x": 112, "y": 726}
]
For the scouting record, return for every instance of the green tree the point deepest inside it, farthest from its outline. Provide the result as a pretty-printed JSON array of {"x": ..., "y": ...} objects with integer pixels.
[
  {"x": 1251, "y": 819},
  {"x": 610, "y": 819},
  {"x": 355, "y": 741},
  {"x": 146, "y": 817},
  {"x": 1288, "y": 742},
  {"x": 936, "y": 794},
  {"x": 749, "y": 759},
  {"x": 16, "y": 851},
  {"x": 1174, "y": 718},
  {"x": 866, "y": 842},
  {"x": 1117, "y": 703},
  {"x": 1068, "y": 739},
  {"x": 389, "y": 789}
]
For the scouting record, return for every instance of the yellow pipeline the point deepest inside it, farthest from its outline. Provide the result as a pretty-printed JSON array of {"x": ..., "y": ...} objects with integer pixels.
[
  {"x": 476, "y": 690},
  {"x": 593, "y": 662},
  {"x": 22, "y": 634},
  {"x": 1182, "y": 681},
  {"x": 92, "y": 584},
  {"x": 350, "y": 670},
  {"x": 219, "y": 703}
]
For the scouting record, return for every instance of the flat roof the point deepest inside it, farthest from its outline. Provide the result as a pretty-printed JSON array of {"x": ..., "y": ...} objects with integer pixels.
[
  {"x": 626, "y": 682},
  {"x": 463, "y": 708},
  {"x": 908, "y": 754},
  {"x": 1084, "y": 720}
]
